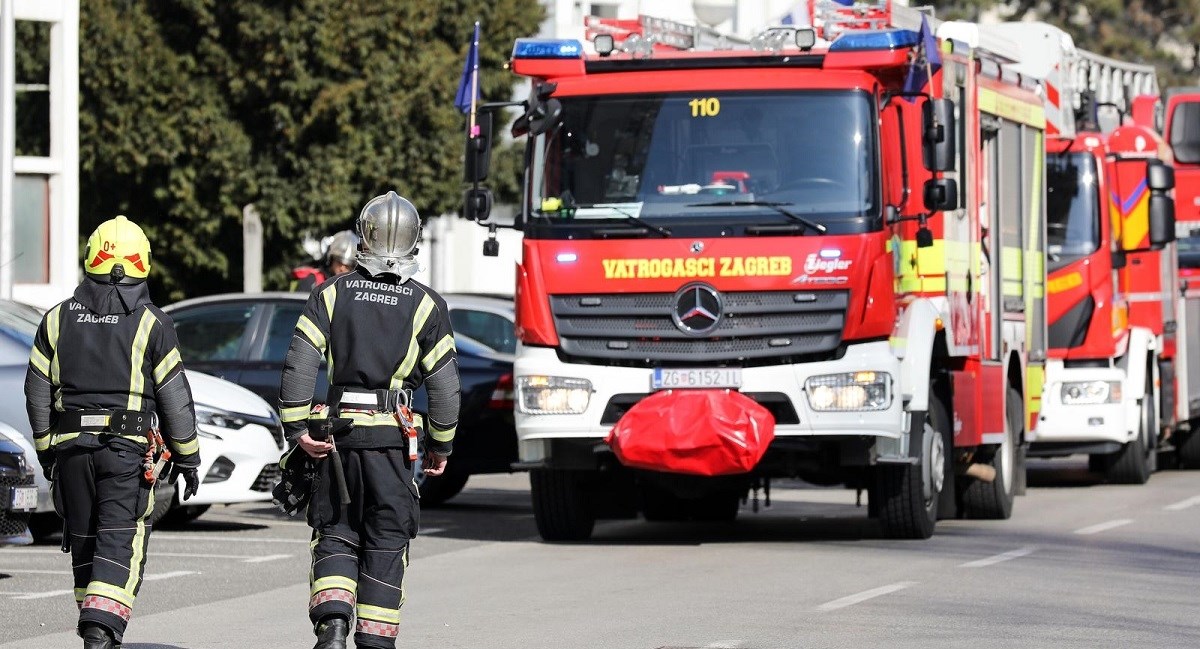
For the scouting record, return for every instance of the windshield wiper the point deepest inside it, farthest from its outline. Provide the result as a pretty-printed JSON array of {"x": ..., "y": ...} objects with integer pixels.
[
  {"x": 631, "y": 218},
  {"x": 778, "y": 207}
]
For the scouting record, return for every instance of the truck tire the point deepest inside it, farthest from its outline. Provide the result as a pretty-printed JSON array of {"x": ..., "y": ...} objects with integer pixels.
[
  {"x": 560, "y": 506},
  {"x": 908, "y": 494},
  {"x": 1189, "y": 449},
  {"x": 721, "y": 507},
  {"x": 436, "y": 490},
  {"x": 994, "y": 500},
  {"x": 1136, "y": 460}
]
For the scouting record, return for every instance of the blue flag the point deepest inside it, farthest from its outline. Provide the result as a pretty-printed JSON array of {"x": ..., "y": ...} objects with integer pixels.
[
  {"x": 927, "y": 61},
  {"x": 465, "y": 98}
]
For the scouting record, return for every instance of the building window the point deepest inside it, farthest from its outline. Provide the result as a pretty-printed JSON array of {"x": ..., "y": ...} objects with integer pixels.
[
  {"x": 31, "y": 229},
  {"x": 32, "y": 88}
]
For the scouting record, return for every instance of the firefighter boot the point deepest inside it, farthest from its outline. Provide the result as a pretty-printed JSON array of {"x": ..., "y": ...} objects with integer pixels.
[
  {"x": 331, "y": 633},
  {"x": 97, "y": 637}
]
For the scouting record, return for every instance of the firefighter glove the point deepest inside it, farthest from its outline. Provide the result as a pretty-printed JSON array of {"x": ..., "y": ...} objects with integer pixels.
[{"x": 191, "y": 479}]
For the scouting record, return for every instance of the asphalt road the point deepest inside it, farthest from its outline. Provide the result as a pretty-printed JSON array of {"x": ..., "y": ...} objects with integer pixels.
[{"x": 1079, "y": 565}]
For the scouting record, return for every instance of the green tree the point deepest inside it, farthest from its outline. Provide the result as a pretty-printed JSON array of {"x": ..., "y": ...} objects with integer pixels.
[{"x": 305, "y": 108}]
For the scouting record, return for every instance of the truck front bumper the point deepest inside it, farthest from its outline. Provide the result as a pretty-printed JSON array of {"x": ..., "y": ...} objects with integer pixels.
[
  {"x": 1062, "y": 424},
  {"x": 609, "y": 382}
]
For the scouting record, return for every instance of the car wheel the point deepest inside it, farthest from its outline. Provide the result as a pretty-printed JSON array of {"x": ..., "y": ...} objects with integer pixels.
[{"x": 184, "y": 514}]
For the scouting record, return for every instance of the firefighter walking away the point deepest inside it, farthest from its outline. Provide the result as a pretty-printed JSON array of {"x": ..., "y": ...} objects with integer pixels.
[
  {"x": 104, "y": 373},
  {"x": 338, "y": 259},
  {"x": 383, "y": 335}
]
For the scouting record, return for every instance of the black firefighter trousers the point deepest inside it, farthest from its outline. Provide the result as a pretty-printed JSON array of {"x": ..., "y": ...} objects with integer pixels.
[
  {"x": 359, "y": 552},
  {"x": 102, "y": 496}
]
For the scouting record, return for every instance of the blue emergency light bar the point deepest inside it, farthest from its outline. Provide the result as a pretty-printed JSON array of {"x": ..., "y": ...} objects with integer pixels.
[
  {"x": 875, "y": 39},
  {"x": 547, "y": 48}
]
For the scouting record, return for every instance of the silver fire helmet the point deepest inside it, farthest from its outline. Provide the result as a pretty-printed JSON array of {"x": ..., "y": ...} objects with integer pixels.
[
  {"x": 390, "y": 228},
  {"x": 343, "y": 247}
]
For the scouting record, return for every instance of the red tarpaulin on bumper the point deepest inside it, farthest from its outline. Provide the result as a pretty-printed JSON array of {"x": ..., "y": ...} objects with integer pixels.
[{"x": 701, "y": 432}]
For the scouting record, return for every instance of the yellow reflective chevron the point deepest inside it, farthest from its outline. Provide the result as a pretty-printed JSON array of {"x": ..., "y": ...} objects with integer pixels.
[
  {"x": 137, "y": 357},
  {"x": 311, "y": 332},
  {"x": 295, "y": 413},
  {"x": 139, "y": 549},
  {"x": 330, "y": 297},
  {"x": 1000, "y": 105},
  {"x": 39, "y": 361},
  {"x": 42, "y": 442},
  {"x": 378, "y": 613},
  {"x": 410, "y": 358},
  {"x": 186, "y": 448},
  {"x": 167, "y": 364},
  {"x": 52, "y": 329},
  {"x": 445, "y": 345},
  {"x": 114, "y": 593},
  {"x": 442, "y": 435},
  {"x": 333, "y": 581}
]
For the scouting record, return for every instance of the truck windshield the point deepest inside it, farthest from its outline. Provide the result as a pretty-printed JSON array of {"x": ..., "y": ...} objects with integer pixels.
[
  {"x": 1072, "y": 206},
  {"x": 1185, "y": 133},
  {"x": 704, "y": 156}
]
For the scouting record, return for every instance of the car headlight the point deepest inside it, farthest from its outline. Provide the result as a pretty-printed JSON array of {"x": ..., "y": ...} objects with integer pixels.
[
  {"x": 217, "y": 418},
  {"x": 849, "y": 391},
  {"x": 1083, "y": 393},
  {"x": 552, "y": 395}
]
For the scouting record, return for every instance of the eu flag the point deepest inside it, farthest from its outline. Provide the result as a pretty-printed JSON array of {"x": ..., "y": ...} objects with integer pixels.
[
  {"x": 927, "y": 62},
  {"x": 468, "y": 86}
]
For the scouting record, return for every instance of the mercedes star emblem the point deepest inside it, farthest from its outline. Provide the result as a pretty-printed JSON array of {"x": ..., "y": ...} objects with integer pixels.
[{"x": 697, "y": 309}]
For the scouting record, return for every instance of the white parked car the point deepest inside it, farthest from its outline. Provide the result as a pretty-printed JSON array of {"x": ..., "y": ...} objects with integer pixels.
[{"x": 241, "y": 437}]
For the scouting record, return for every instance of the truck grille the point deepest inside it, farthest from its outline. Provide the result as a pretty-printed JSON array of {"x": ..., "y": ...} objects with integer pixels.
[{"x": 754, "y": 325}]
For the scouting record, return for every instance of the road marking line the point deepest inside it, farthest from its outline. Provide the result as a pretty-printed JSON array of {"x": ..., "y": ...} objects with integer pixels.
[
  {"x": 858, "y": 598},
  {"x": 24, "y": 571},
  {"x": 1183, "y": 504},
  {"x": 169, "y": 575},
  {"x": 181, "y": 555},
  {"x": 431, "y": 530},
  {"x": 1000, "y": 558},
  {"x": 51, "y": 593},
  {"x": 270, "y": 557},
  {"x": 166, "y": 536},
  {"x": 1101, "y": 527}
]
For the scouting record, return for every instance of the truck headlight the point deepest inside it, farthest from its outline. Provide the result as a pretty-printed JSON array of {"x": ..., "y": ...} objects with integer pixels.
[
  {"x": 1084, "y": 393},
  {"x": 552, "y": 395},
  {"x": 849, "y": 391}
]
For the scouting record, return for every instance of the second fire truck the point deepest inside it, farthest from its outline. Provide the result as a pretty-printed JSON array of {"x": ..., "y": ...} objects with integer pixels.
[{"x": 844, "y": 224}]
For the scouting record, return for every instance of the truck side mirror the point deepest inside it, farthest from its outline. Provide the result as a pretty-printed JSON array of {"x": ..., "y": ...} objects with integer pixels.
[
  {"x": 941, "y": 194},
  {"x": 479, "y": 150},
  {"x": 1160, "y": 176},
  {"x": 477, "y": 204},
  {"x": 1162, "y": 220},
  {"x": 546, "y": 118},
  {"x": 938, "y": 134}
]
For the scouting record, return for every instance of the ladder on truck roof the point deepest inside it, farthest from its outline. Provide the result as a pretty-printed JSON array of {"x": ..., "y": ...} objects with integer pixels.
[{"x": 1075, "y": 80}]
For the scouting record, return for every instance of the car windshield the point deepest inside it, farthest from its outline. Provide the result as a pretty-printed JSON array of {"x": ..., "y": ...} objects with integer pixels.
[
  {"x": 685, "y": 156},
  {"x": 1072, "y": 206}
]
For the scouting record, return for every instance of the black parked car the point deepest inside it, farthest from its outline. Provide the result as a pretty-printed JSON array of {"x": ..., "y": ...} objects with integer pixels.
[{"x": 243, "y": 338}]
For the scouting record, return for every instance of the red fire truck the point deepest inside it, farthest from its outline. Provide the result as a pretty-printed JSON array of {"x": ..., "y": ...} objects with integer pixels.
[
  {"x": 1114, "y": 352},
  {"x": 1182, "y": 126},
  {"x": 843, "y": 223}
]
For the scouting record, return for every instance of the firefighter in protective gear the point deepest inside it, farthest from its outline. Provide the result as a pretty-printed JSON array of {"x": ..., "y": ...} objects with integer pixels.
[
  {"x": 383, "y": 334},
  {"x": 339, "y": 258},
  {"x": 104, "y": 368}
]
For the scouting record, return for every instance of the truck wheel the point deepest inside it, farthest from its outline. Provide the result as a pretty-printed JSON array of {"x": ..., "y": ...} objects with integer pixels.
[
  {"x": 560, "y": 507},
  {"x": 909, "y": 493},
  {"x": 661, "y": 506},
  {"x": 436, "y": 490},
  {"x": 994, "y": 500},
  {"x": 1189, "y": 450},
  {"x": 1136, "y": 460}
]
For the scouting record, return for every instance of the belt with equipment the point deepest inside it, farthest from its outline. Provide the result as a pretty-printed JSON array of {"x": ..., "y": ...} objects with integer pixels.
[{"x": 133, "y": 425}]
